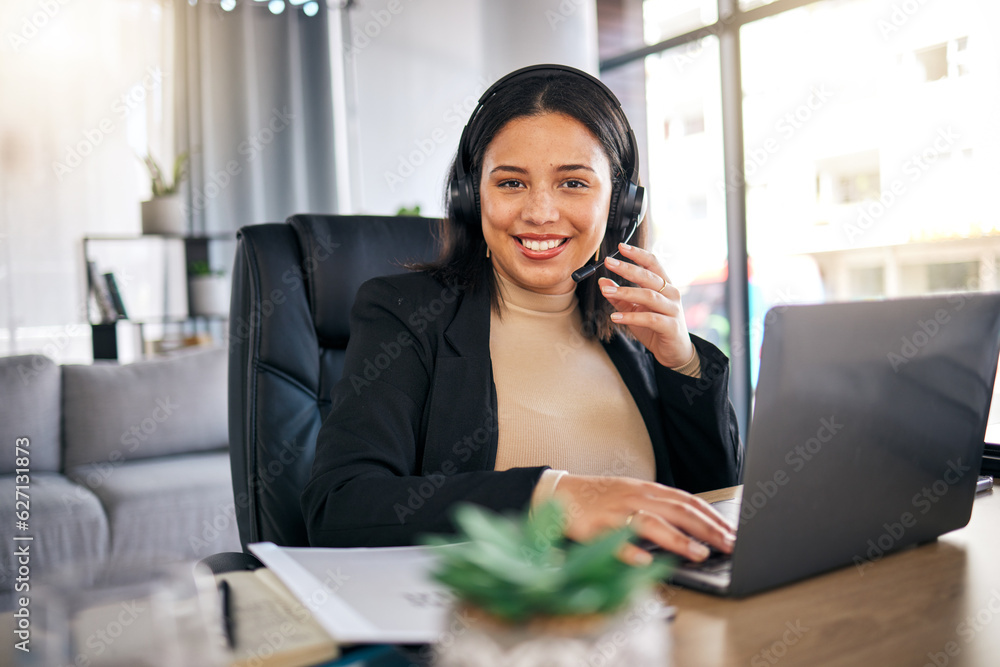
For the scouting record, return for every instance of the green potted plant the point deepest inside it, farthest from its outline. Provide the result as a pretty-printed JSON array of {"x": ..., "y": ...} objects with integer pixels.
[
  {"x": 208, "y": 291},
  {"x": 163, "y": 213},
  {"x": 526, "y": 595}
]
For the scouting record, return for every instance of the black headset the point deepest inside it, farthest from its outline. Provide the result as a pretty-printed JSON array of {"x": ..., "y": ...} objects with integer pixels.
[{"x": 628, "y": 198}]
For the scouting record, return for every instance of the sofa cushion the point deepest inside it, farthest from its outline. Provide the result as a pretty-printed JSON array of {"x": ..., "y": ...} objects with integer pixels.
[
  {"x": 179, "y": 507},
  {"x": 114, "y": 413},
  {"x": 66, "y": 520},
  {"x": 30, "y": 407}
]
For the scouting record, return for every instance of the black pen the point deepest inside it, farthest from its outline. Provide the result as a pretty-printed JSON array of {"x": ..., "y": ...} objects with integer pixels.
[{"x": 227, "y": 618}]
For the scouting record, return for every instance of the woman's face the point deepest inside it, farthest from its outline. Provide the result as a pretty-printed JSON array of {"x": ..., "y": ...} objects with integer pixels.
[{"x": 545, "y": 192}]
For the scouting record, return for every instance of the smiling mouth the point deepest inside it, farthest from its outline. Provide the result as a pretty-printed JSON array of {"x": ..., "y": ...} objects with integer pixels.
[{"x": 540, "y": 245}]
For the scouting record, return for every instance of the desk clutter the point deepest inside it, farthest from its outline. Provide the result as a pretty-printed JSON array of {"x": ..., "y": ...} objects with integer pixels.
[{"x": 269, "y": 627}]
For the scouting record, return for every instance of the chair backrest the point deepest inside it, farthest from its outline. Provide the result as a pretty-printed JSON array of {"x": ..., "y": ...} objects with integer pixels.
[{"x": 293, "y": 288}]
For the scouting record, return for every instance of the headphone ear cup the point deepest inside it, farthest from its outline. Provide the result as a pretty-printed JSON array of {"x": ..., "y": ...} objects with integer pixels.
[
  {"x": 464, "y": 201},
  {"x": 632, "y": 204},
  {"x": 615, "y": 224},
  {"x": 642, "y": 203}
]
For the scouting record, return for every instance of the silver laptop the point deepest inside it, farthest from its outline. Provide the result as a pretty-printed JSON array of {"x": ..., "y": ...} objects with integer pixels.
[{"x": 866, "y": 437}]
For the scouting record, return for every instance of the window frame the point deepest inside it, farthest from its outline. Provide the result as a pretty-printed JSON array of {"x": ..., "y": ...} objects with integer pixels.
[{"x": 727, "y": 29}]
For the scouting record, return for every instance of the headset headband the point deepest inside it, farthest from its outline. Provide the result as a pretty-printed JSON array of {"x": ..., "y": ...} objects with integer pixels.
[{"x": 632, "y": 170}]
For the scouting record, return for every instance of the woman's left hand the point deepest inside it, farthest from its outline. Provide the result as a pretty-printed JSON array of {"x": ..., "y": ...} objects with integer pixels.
[{"x": 651, "y": 310}]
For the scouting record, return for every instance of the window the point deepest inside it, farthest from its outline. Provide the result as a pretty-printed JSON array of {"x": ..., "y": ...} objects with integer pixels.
[
  {"x": 934, "y": 62},
  {"x": 848, "y": 179},
  {"x": 858, "y": 180},
  {"x": 69, "y": 138},
  {"x": 867, "y": 282},
  {"x": 952, "y": 276}
]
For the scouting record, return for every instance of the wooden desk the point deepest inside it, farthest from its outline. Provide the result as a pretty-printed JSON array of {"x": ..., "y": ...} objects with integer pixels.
[{"x": 910, "y": 608}]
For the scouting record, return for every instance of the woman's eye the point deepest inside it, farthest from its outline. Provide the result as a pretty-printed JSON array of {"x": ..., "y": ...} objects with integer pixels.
[
  {"x": 573, "y": 183},
  {"x": 512, "y": 183}
]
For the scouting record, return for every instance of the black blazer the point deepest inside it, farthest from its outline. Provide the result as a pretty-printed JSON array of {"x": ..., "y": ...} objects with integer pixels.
[{"x": 413, "y": 423}]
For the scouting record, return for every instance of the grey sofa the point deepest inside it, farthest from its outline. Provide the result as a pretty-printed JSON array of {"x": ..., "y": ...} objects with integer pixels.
[{"x": 129, "y": 464}]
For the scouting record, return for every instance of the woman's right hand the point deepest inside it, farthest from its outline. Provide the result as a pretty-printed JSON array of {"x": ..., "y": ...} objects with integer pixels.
[{"x": 675, "y": 520}]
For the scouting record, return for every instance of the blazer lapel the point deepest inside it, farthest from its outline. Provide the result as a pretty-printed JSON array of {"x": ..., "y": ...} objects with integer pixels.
[{"x": 465, "y": 432}]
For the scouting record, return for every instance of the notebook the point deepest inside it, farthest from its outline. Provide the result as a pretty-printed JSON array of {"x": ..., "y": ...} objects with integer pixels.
[{"x": 866, "y": 437}]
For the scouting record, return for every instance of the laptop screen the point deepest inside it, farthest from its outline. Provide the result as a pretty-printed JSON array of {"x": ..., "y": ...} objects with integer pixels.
[{"x": 993, "y": 422}]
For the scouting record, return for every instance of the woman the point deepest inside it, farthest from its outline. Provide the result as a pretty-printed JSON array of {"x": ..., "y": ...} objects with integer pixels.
[{"x": 501, "y": 381}]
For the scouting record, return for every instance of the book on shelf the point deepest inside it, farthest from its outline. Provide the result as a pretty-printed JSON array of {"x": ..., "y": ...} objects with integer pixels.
[
  {"x": 116, "y": 296},
  {"x": 102, "y": 295},
  {"x": 271, "y": 627}
]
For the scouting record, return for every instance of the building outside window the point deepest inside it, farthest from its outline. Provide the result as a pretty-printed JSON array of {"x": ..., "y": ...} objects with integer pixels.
[{"x": 866, "y": 130}]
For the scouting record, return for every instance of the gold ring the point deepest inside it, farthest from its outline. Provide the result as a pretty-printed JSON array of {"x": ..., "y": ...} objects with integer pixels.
[
  {"x": 630, "y": 517},
  {"x": 660, "y": 291}
]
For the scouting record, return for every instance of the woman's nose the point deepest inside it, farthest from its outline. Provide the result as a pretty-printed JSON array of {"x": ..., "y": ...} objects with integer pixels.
[{"x": 540, "y": 207}]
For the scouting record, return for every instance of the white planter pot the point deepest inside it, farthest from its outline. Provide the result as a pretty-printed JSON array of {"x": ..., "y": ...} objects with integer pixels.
[
  {"x": 209, "y": 295},
  {"x": 164, "y": 215},
  {"x": 635, "y": 637}
]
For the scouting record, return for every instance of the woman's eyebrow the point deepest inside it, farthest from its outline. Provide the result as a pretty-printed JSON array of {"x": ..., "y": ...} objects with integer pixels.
[
  {"x": 521, "y": 170},
  {"x": 512, "y": 169},
  {"x": 574, "y": 167}
]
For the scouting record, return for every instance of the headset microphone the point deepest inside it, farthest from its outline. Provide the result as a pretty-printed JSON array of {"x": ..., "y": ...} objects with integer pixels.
[{"x": 585, "y": 272}]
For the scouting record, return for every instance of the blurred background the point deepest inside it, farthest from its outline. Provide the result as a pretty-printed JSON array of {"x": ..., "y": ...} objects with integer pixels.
[{"x": 794, "y": 151}]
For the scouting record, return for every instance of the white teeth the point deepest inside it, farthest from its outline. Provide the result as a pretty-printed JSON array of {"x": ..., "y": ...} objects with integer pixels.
[{"x": 548, "y": 244}]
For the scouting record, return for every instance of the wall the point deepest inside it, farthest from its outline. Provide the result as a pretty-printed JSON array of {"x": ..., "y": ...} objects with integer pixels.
[{"x": 418, "y": 68}]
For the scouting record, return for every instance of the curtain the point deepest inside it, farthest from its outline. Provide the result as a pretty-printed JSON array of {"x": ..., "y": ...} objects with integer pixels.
[
  {"x": 82, "y": 85},
  {"x": 255, "y": 112}
]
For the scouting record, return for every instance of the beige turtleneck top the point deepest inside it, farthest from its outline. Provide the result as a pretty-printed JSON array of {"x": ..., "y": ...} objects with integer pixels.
[{"x": 560, "y": 399}]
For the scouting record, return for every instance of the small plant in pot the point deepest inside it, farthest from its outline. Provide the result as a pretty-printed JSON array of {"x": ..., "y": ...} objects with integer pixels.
[
  {"x": 527, "y": 596},
  {"x": 208, "y": 290},
  {"x": 163, "y": 213}
]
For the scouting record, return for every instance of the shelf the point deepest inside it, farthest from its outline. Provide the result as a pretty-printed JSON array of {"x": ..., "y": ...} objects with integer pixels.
[
  {"x": 155, "y": 285},
  {"x": 217, "y": 236}
]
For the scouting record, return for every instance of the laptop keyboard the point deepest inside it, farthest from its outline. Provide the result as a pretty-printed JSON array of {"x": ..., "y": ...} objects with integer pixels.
[{"x": 717, "y": 562}]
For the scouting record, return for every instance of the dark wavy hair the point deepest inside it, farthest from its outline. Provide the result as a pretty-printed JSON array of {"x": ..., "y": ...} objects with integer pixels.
[{"x": 462, "y": 260}]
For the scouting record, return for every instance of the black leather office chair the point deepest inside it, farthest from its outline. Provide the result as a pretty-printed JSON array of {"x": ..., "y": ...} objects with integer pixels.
[{"x": 293, "y": 288}]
